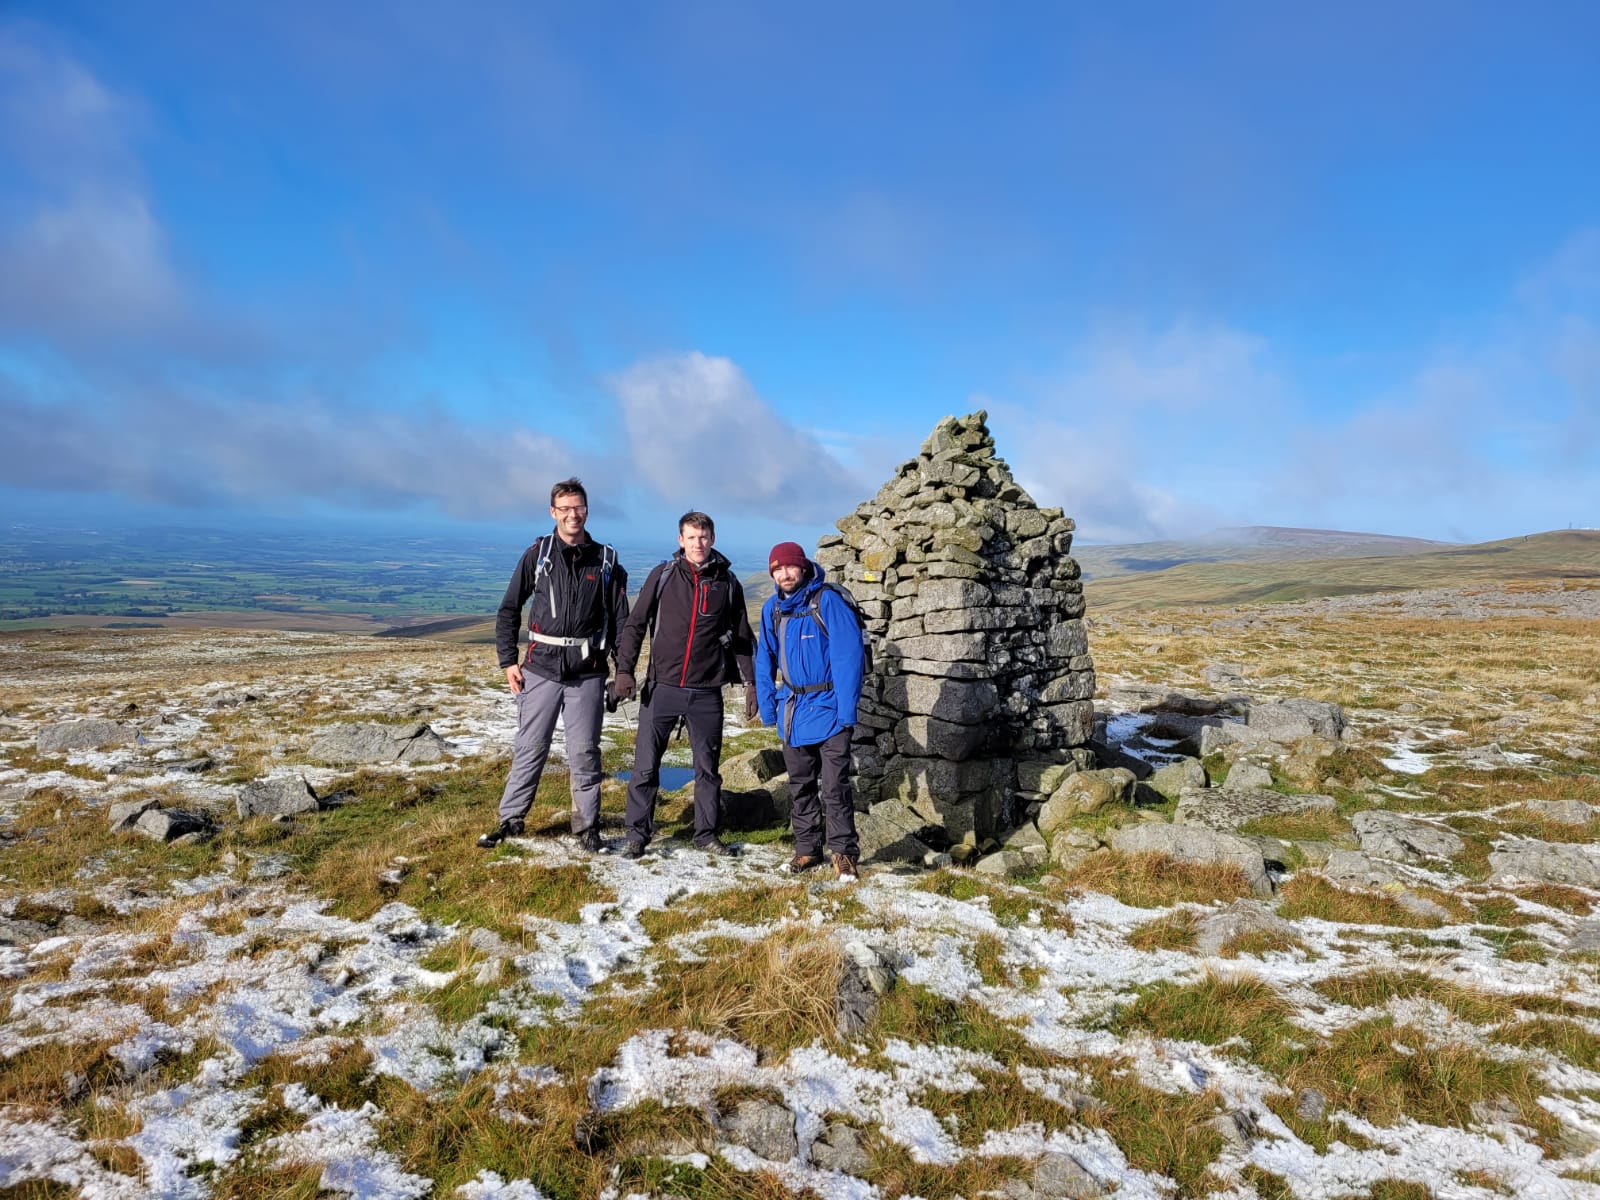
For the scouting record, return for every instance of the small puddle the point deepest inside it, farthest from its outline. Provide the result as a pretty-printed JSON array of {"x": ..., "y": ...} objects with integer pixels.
[{"x": 669, "y": 779}]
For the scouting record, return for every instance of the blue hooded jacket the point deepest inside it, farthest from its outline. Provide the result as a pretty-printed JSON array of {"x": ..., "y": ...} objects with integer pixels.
[{"x": 816, "y": 655}]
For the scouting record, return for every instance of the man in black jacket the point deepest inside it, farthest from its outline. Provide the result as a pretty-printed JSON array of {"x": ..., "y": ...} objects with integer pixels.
[
  {"x": 693, "y": 607},
  {"x": 579, "y": 595}
]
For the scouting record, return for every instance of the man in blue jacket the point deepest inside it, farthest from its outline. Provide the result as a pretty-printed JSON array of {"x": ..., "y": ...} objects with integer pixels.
[{"x": 809, "y": 663}]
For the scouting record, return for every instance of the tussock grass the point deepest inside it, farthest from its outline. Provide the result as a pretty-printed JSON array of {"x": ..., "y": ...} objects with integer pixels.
[
  {"x": 916, "y": 1015},
  {"x": 1155, "y": 880},
  {"x": 1554, "y": 895},
  {"x": 1000, "y": 1101},
  {"x": 1565, "y": 1039},
  {"x": 344, "y": 851},
  {"x": 1267, "y": 1185},
  {"x": 1312, "y": 826},
  {"x": 1386, "y": 1073},
  {"x": 1172, "y": 931},
  {"x": 988, "y": 953},
  {"x": 739, "y": 906},
  {"x": 1221, "y": 1008},
  {"x": 896, "y": 1173},
  {"x": 37, "y": 1080},
  {"x": 1259, "y": 942},
  {"x": 1157, "y": 1131},
  {"x": 1313, "y": 896},
  {"x": 1373, "y": 989}
]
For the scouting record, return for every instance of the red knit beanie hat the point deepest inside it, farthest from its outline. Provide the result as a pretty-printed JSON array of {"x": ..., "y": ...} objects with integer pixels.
[{"x": 786, "y": 554}]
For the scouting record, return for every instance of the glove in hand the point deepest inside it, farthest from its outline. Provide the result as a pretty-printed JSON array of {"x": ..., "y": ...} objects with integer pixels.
[{"x": 751, "y": 708}]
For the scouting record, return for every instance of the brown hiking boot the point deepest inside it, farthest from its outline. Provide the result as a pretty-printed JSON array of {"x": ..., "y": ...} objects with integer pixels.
[
  {"x": 845, "y": 867},
  {"x": 803, "y": 862}
]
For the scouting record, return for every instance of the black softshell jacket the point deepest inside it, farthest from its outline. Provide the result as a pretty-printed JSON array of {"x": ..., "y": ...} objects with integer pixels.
[
  {"x": 571, "y": 600},
  {"x": 700, "y": 621}
]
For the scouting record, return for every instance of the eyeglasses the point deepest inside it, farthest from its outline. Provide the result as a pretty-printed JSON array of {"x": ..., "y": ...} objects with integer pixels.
[{"x": 570, "y": 509}]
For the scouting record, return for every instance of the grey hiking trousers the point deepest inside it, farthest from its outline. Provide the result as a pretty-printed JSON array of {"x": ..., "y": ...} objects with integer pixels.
[{"x": 580, "y": 706}]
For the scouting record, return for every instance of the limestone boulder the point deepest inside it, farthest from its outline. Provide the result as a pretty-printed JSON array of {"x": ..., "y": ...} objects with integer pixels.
[
  {"x": 345, "y": 745},
  {"x": 170, "y": 824},
  {"x": 1090, "y": 791},
  {"x": 764, "y": 1128},
  {"x": 1403, "y": 839},
  {"x": 1563, "y": 812},
  {"x": 1170, "y": 781},
  {"x": 282, "y": 797},
  {"x": 1352, "y": 868},
  {"x": 890, "y": 831},
  {"x": 1247, "y": 773},
  {"x": 1291, "y": 720},
  {"x": 125, "y": 815},
  {"x": 61, "y": 737},
  {"x": 752, "y": 769},
  {"x": 1228, "y": 808},
  {"x": 1545, "y": 862}
]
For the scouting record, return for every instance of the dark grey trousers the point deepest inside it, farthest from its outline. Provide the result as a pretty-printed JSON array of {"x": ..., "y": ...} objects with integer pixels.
[
  {"x": 701, "y": 709},
  {"x": 819, "y": 791},
  {"x": 579, "y": 705}
]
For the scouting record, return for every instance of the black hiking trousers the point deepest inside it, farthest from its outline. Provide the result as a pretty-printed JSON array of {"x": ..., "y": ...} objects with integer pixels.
[
  {"x": 701, "y": 709},
  {"x": 821, "y": 796}
]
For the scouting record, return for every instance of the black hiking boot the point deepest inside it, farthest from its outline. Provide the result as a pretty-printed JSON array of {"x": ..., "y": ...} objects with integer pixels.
[
  {"x": 509, "y": 828},
  {"x": 717, "y": 848},
  {"x": 635, "y": 850},
  {"x": 589, "y": 839}
]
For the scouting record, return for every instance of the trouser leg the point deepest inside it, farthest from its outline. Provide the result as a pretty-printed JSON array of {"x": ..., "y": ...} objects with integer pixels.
[
  {"x": 804, "y": 764},
  {"x": 704, "y": 711},
  {"x": 582, "y": 711},
  {"x": 838, "y": 803},
  {"x": 644, "y": 781},
  {"x": 538, "y": 706}
]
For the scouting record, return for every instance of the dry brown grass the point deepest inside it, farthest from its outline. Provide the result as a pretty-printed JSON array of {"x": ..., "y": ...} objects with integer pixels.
[
  {"x": 1373, "y": 989},
  {"x": 1313, "y": 896},
  {"x": 1155, "y": 880},
  {"x": 1171, "y": 931}
]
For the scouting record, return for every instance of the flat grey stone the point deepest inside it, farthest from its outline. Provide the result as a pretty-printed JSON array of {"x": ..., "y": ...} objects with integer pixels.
[
  {"x": 1240, "y": 917},
  {"x": 1196, "y": 844},
  {"x": 1566, "y": 812},
  {"x": 373, "y": 743},
  {"x": 1246, "y": 774},
  {"x": 1546, "y": 862},
  {"x": 1351, "y": 867},
  {"x": 1227, "y": 808},
  {"x": 1006, "y": 863},
  {"x": 1060, "y": 1177},
  {"x": 63, "y": 736},
  {"x": 1403, "y": 839}
]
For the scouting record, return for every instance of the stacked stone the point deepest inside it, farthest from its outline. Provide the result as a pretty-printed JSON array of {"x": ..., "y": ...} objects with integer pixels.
[{"x": 981, "y": 686}]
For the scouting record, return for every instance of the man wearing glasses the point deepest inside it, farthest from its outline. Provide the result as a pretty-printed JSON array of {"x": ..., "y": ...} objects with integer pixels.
[{"x": 579, "y": 600}]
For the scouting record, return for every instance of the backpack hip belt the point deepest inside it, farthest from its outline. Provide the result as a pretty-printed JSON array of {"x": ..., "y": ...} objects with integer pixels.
[{"x": 545, "y": 639}]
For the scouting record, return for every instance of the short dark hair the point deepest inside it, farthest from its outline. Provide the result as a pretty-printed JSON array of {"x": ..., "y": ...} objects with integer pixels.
[
  {"x": 699, "y": 520},
  {"x": 569, "y": 487}
]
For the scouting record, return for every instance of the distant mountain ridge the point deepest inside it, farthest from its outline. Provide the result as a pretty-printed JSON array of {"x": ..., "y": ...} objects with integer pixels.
[{"x": 1249, "y": 543}]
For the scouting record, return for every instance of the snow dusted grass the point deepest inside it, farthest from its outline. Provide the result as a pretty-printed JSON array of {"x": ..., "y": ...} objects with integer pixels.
[{"x": 360, "y": 1002}]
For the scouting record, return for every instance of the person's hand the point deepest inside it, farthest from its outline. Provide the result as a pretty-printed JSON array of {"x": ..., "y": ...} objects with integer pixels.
[
  {"x": 514, "y": 679},
  {"x": 621, "y": 688},
  {"x": 751, "y": 708}
]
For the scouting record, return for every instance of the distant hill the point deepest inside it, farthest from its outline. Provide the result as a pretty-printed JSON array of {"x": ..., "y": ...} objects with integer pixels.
[
  {"x": 1251, "y": 543},
  {"x": 1263, "y": 577}
]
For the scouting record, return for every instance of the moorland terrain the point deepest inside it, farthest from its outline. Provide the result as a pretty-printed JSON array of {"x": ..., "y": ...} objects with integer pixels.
[{"x": 352, "y": 999}]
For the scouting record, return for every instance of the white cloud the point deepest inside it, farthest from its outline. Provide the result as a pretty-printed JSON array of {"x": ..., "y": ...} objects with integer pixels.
[
  {"x": 699, "y": 434},
  {"x": 193, "y": 451}
]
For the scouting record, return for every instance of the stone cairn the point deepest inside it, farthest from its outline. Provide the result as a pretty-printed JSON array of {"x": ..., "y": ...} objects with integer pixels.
[{"x": 979, "y": 699}]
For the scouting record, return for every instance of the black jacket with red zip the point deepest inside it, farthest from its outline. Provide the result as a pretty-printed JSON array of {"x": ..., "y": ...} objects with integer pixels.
[{"x": 697, "y": 622}]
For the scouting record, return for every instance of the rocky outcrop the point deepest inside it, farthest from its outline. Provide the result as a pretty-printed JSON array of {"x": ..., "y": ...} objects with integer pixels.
[
  {"x": 1545, "y": 862},
  {"x": 976, "y": 612},
  {"x": 350, "y": 744}
]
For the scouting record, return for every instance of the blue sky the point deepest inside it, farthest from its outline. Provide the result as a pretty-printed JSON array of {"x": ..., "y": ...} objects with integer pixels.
[{"x": 1204, "y": 265}]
